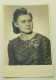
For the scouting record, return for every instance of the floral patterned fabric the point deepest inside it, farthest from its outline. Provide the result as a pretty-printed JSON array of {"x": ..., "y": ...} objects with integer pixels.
[{"x": 36, "y": 51}]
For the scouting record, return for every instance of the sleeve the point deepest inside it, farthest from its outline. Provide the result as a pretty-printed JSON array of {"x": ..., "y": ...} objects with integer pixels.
[
  {"x": 10, "y": 53},
  {"x": 46, "y": 51}
]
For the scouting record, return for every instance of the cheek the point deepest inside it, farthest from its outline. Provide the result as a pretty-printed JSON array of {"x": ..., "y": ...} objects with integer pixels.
[{"x": 21, "y": 26}]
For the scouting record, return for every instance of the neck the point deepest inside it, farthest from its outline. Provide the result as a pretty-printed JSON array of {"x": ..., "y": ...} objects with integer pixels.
[{"x": 28, "y": 36}]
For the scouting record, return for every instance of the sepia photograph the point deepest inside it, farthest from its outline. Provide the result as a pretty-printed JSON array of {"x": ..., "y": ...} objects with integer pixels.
[{"x": 27, "y": 37}]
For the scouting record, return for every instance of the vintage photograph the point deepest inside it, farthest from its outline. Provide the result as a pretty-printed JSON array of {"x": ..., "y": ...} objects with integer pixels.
[
  {"x": 27, "y": 35},
  {"x": 27, "y": 50}
]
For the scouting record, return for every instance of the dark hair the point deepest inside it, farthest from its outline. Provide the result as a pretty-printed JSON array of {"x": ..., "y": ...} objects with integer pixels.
[{"x": 17, "y": 13}]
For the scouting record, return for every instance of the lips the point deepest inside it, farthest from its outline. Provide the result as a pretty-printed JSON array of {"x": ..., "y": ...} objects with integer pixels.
[{"x": 27, "y": 28}]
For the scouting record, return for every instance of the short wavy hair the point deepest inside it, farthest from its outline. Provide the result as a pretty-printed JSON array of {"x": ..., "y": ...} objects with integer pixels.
[{"x": 17, "y": 13}]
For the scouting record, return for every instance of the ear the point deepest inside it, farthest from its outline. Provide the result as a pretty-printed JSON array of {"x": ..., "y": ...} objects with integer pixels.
[{"x": 16, "y": 24}]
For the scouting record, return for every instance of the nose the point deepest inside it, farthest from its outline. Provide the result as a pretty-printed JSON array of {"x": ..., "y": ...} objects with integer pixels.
[{"x": 27, "y": 23}]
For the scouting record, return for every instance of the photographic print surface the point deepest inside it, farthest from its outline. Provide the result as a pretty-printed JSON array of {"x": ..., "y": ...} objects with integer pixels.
[
  {"x": 27, "y": 40},
  {"x": 31, "y": 47}
]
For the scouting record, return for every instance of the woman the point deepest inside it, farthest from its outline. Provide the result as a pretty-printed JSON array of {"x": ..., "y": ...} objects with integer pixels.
[{"x": 29, "y": 48}]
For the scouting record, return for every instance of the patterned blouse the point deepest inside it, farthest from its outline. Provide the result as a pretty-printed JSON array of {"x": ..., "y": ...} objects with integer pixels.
[{"x": 35, "y": 51}]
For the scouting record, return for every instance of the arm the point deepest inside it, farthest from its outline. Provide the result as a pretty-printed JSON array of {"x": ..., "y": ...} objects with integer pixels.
[
  {"x": 10, "y": 53},
  {"x": 46, "y": 51}
]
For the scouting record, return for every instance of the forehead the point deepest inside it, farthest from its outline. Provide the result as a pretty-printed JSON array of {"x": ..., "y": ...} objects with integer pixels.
[{"x": 24, "y": 17}]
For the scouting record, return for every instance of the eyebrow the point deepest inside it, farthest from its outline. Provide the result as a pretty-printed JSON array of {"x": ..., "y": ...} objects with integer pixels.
[{"x": 25, "y": 20}]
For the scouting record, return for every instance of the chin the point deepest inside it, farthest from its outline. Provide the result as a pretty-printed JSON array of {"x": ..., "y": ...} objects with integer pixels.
[{"x": 28, "y": 32}]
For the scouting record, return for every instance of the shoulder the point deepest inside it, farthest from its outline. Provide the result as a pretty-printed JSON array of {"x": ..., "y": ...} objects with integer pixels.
[
  {"x": 41, "y": 37},
  {"x": 14, "y": 41}
]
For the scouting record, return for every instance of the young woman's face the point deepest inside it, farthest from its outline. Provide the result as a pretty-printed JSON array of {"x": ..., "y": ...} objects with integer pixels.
[{"x": 24, "y": 23}]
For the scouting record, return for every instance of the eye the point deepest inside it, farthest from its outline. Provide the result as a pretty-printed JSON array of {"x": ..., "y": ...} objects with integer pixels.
[
  {"x": 30, "y": 20},
  {"x": 23, "y": 21}
]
